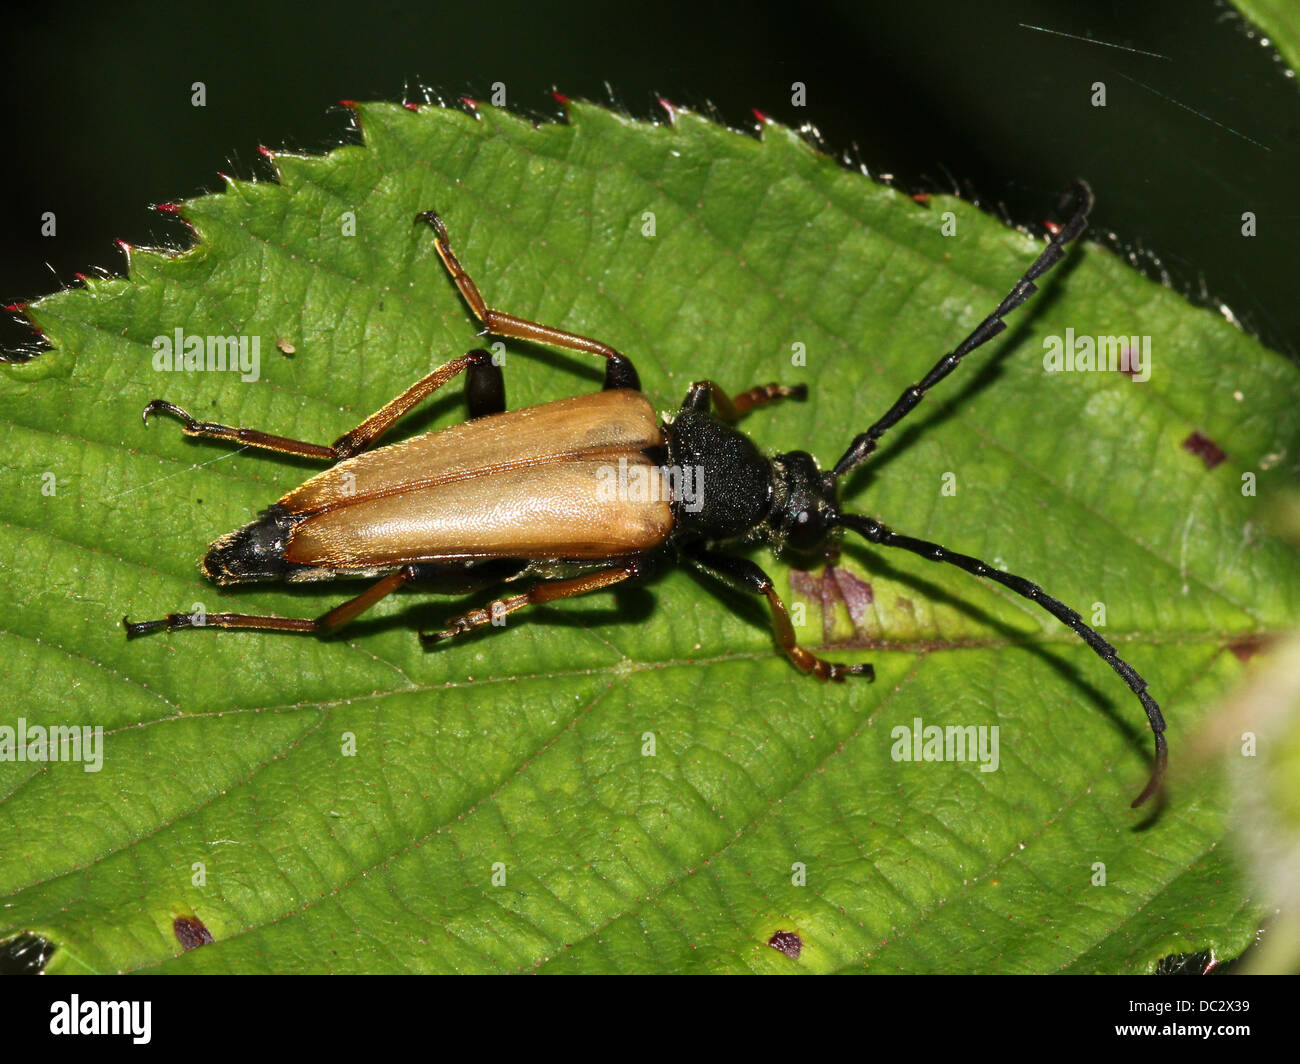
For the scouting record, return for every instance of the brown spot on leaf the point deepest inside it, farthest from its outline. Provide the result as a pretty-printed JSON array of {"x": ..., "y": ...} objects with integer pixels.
[
  {"x": 190, "y": 932},
  {"x": 787, "y": 942},
  {"x": 1248, "y": 646},
  {"x": 1127, "y": 363},
  {"x": 1205, "y": 449}
]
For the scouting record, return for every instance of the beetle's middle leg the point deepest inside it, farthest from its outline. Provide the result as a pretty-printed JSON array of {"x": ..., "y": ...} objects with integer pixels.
[
  {"x": 619, "y": 371},
  {"x": 548, "y": 591},
  {"x": 743, "y": 574},
  {"x": 484, "y": 389},
  {"x": 705, "y": 395},
  {"x": 325, "y": 624}
]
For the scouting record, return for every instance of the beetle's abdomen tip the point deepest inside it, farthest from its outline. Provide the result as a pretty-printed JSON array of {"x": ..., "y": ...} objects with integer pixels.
[{"x": 253, "y": 553}]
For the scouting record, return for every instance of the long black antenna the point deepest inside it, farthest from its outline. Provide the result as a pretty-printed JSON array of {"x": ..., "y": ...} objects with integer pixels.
[
  {"x": 873, "y": 531},
  {"x": 865, "y": 443}
]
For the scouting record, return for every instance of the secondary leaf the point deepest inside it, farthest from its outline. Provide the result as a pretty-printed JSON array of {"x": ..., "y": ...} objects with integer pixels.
[
  {"x": 523, "y": 753},
  {"x": 1280, "y": 22}
]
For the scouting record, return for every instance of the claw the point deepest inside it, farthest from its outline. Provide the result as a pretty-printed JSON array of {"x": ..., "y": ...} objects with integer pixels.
[
  {"x": 428, "y": 639},
  {"x": 433, "y": 221},
  {"x": 162, "y": 406},
  {"x": 839, "y": 672},
  {"x": 139, "y": 628}
]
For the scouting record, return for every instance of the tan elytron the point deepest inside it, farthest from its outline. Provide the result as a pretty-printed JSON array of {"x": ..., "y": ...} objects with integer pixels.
[{"x": 531, "y": 483}]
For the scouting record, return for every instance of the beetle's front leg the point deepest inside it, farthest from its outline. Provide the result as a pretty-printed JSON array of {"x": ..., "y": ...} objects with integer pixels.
[
  {"x": 549, "y": 591},
  {"x": 484, "y": 390},
  {"x": 743, "y": 574},
  {"x": 706, "y": 395}
]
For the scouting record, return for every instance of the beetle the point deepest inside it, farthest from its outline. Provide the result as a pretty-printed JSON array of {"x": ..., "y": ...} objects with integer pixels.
[{"x": 546, "y": 493}]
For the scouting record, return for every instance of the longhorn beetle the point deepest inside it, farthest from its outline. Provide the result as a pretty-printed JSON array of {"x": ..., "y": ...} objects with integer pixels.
[{"x": 526, "y": 494}]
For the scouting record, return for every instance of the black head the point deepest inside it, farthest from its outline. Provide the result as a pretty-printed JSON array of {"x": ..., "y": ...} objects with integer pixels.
[{"x": 805, "y": 505}]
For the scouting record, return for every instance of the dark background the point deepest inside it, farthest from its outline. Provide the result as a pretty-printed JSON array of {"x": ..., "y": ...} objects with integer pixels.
[{"x": 940, "y": 94}]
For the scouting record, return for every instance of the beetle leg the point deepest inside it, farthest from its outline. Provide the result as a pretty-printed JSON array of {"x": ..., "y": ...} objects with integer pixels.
[
  {"x": 322, "y": 625},
  {"x": 743, "y": 574},
  {"x": 705, "y": 394},
  {"x": 485, "y": 390},
  {"x": 496, "y": 612},
  {"x": 619, "y": 371}
]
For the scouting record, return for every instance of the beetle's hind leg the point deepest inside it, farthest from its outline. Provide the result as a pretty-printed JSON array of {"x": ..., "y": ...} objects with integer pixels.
[
  {"x": 743, "y": 574},
  {"x": 484, "y": 389},
  {"x": 619, "y": 371},
  {"x": 706, "y": 395},
  {"x": 496, "y": 612},
  {"x": 325, "y": 624}
]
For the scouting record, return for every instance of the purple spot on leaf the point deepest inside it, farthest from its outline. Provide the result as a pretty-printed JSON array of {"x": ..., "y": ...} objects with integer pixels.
[
  {"x": 1205, "y": 449},
  {"x": 834, "y": 584},
  {"x": 190, "y": 932},
  {"x": 787, "y": 942}
]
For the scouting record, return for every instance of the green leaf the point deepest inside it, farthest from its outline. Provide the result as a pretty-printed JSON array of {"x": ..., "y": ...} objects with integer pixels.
[
  {"x": 1280, "y": 20},
  {"x": 523, "y": 750}
]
